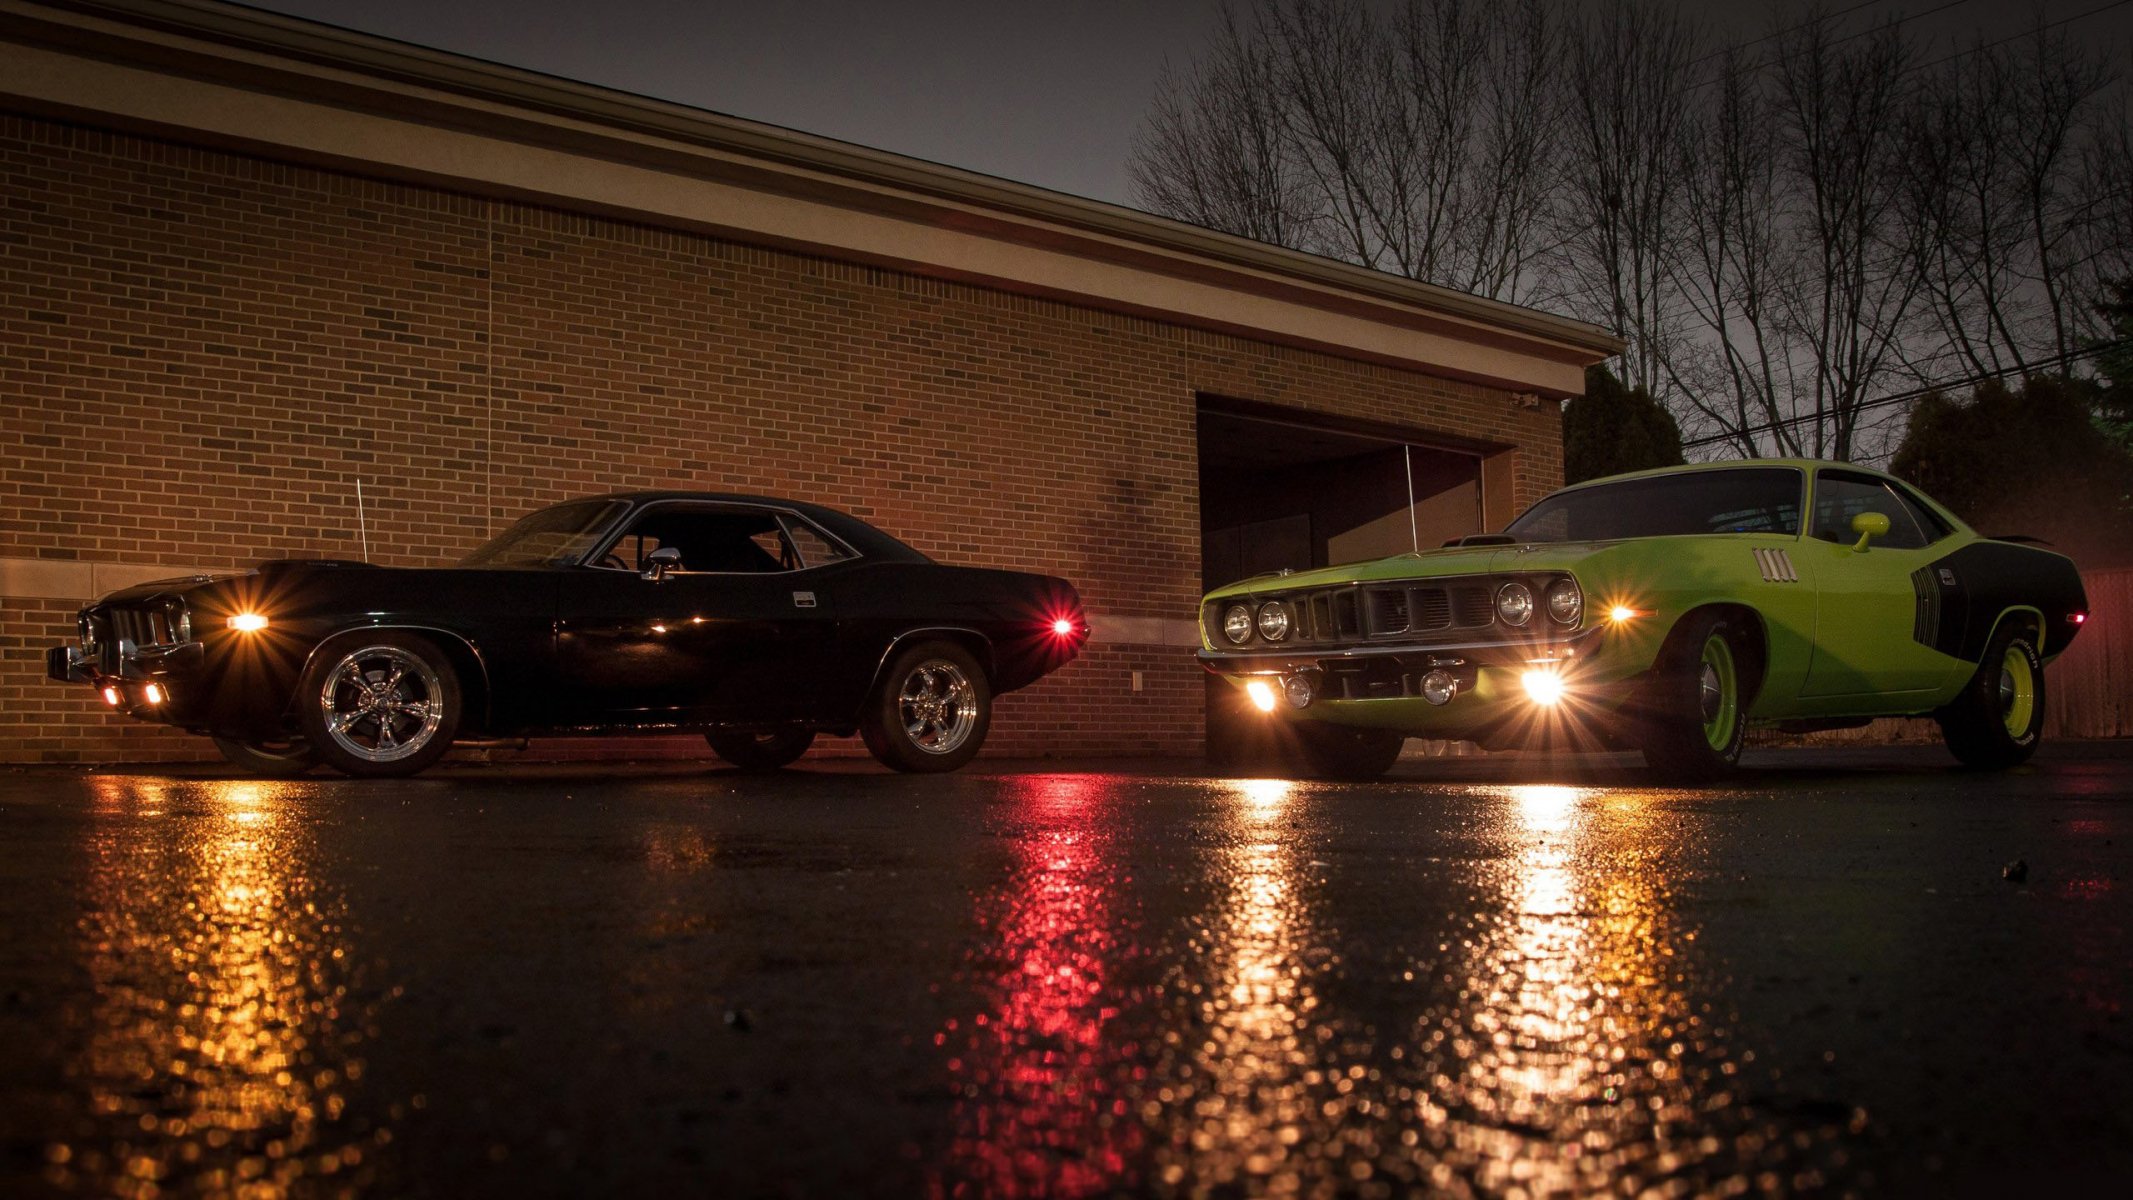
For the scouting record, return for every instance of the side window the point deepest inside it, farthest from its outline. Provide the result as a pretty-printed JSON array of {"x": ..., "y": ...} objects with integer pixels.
[
  {"x": 1840, "y": 497},
  {"x": 814, "y": 549},
  {"x": 710, "y": 540},
  {"x": 1929, "y": 522}
]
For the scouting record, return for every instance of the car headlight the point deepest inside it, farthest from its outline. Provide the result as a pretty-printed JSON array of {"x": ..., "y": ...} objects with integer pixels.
[
  {"x": 1565, "y": 603},
  {"x": 1237, "y": 624},
  {"x": 1273, "y": 620},
  {"x": 1514, "y": 603}
]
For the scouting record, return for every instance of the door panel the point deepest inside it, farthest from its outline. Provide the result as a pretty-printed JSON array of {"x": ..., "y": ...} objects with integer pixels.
[
  {"x": 1866, "y": 606},
  {"x": 714, "y": 647}
]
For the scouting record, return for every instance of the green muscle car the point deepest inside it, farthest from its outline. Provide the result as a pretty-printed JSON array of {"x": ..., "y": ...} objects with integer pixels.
[{"x": 1665, "y": 611}]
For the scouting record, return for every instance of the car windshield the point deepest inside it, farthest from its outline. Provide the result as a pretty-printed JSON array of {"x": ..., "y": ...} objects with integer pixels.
[
  {"x": 548, "y": 538},
  {"x": 1747, "y": 500}
]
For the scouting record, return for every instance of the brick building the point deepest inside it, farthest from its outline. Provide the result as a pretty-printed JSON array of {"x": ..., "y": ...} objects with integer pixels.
[{"x": 250, "y": 261}]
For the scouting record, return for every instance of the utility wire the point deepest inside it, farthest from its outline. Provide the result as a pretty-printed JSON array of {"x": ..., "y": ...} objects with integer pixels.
[{"x": 1750, "y": 431}]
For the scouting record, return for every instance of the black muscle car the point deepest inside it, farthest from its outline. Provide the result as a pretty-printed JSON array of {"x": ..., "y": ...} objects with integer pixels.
[{"x": 759, "y": 622}]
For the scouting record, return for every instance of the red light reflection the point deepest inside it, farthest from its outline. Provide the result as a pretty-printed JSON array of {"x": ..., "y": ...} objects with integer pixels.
[{"x": 1042, "y": 1114}]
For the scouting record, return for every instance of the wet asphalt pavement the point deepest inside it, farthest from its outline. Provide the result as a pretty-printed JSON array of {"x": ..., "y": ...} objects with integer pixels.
[{"x": 1482, "y": 976}]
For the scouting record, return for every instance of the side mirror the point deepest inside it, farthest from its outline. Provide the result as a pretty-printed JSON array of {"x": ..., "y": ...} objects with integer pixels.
[
  {"x": 1869, "y": 525},
  {"x": 666, "y": 558}
]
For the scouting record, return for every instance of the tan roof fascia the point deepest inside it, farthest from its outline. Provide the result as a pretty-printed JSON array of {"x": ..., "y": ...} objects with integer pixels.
[{"x": 204, "y": 71}]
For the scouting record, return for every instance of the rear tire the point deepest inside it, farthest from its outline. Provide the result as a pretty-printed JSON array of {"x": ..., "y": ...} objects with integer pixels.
[
  {"x": 1337, "y": 752},
  {"x": 758, "y": 753},
  {"x": 1996, "y": 721},
  {"x": 1697, "y": 708},
  {"x": 379, "y": 705},
  {"x": 285, "y": 758},
  {"x": 931, "y": 711}
]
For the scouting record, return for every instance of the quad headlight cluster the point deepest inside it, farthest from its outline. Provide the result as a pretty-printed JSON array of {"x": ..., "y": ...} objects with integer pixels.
[
  {"x": 1565, "y": 603},
  {"x": 1272, "y": 620}
]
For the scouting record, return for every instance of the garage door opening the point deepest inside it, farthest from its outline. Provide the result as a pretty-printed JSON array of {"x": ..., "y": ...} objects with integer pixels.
[{"x": 1295, "y": 492}]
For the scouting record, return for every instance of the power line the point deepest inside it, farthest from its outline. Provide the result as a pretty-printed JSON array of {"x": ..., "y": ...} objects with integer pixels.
[{"x": 2071, "y": 356}]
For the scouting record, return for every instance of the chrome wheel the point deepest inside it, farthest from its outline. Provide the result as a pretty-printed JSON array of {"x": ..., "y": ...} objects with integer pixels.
[
  {"x": 382, "y": 703},
  {"x": 937, "y": 706}
]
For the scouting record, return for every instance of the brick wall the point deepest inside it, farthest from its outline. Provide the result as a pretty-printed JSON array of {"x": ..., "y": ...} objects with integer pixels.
[{"x": 203, "y": 352}]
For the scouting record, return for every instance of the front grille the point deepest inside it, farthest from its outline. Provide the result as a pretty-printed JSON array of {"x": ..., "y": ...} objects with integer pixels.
[
  {"x": 1460, "y": 607},
  {"x": 1471, "y": 608},
  {"x": 154, "y": 623}
]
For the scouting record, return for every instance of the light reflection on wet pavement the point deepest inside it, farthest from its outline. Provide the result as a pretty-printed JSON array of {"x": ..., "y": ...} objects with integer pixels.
[{"x": 1501, "y": 979}]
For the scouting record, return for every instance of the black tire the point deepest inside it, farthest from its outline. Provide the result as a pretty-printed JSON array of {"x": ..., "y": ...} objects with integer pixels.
[
  {"x": 1996, "y": 721},
  {"x": 1337, "y": 752},
  {"x": 337, "y": 704},
  {"x": 760, "y": 752},
  {"x": 284, "y": 758},
  {"x": 931, "y": 710},
  {"x": 1695, "y": 705}
]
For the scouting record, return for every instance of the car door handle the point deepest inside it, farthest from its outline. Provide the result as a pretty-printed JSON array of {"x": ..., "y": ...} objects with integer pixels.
[{"x": 803, "y": 599}]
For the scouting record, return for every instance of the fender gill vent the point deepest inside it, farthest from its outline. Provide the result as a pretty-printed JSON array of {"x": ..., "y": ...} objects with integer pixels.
[{"x": 1776, "y": 566}]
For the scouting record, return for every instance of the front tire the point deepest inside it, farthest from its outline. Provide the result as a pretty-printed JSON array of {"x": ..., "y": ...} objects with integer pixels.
[
  {"x": 379, "y": 705},
  {"x": 1697, "y": 705},
  {"x": 758, "y": 753},
  {"x": 1337, "y": 752},
  {"x": 1996, "y": 721},
  {"x": 931, "y": 712},
  {"x": 285, "y": 758}
]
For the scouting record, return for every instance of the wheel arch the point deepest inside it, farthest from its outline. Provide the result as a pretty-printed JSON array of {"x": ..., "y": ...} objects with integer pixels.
[
  {"x": 972, "y": 640},
  {"x": 1756, "y": 655},
  {"x": 2023, "y": 617},
  {"x": 459, "y": 650}
]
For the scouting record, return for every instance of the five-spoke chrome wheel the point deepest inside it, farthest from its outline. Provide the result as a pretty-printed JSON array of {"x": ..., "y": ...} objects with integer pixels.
[
  {"x": 930, "y": 710},
  {"x": 382, "y": 704},
  {"x": 938, "y": 706}
]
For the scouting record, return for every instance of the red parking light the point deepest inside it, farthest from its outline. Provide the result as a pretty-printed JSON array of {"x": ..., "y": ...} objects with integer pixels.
[
  {"x": 2080, "y": 618},
  {"x": 1063, "y": 628}
]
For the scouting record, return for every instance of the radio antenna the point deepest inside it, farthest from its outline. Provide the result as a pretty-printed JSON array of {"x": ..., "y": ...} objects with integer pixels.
[
  {"x": 1407, "y": 455},
  {"x": 363, "y": 526}
]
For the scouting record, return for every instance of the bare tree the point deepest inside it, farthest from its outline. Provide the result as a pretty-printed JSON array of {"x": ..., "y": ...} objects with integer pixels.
[
  {"x": 1418, "y": 143},
  {"x": 2006, "y": 192},
  {"x": 1730, "y": 272},
  {"x": 1629, "y": 74},
  {"x": 1216, "y": 152},
  {"x": 1840, "y": 104}
]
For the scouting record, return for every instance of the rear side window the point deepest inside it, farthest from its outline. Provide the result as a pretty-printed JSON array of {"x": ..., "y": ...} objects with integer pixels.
[{"x": 1840, "y": 496}]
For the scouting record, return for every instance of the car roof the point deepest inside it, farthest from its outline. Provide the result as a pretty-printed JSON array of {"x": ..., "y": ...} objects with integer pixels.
[{"x": 853, "y": 531}]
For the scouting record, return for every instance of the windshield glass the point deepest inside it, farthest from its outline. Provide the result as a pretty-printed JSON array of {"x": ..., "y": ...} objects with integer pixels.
[
  {"x": 548, "y": 538},
  {"x": 1748, "y": 500}
]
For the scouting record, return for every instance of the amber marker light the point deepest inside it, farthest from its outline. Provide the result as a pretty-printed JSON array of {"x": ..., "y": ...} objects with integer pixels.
[
  {"x": 152, "y": 693},
  {"x": 1545, "y": 688},
  {"x": 111, "y": 696},
  {"x": 1621, "y": 614},
  {"x": 248, "y": 622},
  {"x": 1262, "y": 694}
]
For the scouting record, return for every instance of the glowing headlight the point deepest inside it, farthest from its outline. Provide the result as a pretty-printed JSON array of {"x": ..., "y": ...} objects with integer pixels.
[
  {"x": 1237, "y": 624},
  {"x": 1273, "y": 620},
  {"x": 1514, "y": 603},
  {"x": 248, "y": 622},
  {"x": 1565, "y": 602},
  {"x": 1543, "y": 687}
]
